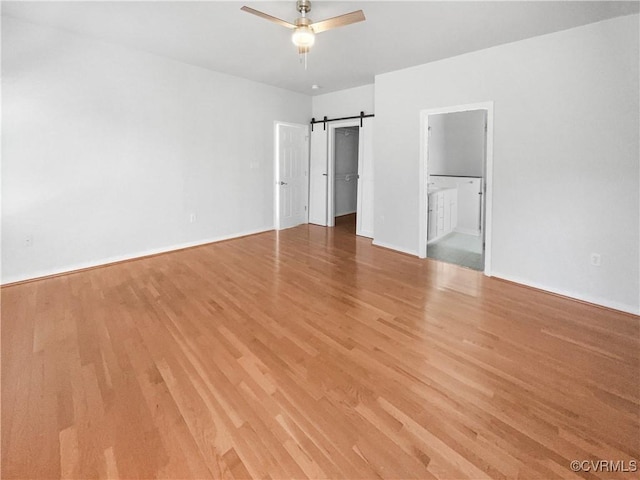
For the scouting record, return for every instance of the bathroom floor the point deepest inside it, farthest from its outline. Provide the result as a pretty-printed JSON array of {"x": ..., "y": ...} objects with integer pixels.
[{"x": 458, "y": 248}]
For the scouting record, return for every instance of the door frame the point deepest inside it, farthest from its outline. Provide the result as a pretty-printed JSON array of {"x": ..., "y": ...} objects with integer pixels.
[
  {"x": 331, "y": 169},
  {"x": 423, "y": 177},
  {"x": 276, "y": 171}
]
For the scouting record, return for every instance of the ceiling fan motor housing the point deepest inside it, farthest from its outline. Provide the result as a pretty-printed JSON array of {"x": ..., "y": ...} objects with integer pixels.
[
  {"x": 303, "y": 6},
  {"x": 302, "y": 22}
]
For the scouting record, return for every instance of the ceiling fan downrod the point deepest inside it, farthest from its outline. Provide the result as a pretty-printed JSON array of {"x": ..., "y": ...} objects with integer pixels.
[{"x": 303, "y": 6}]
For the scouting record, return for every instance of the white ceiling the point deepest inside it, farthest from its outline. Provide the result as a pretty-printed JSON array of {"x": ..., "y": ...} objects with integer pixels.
[{"x": 218, "y": 36}]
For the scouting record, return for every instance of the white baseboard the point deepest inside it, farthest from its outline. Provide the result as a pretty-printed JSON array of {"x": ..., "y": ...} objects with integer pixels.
[
  {"x": 395, "y": 247},
  {"x": 122, "y": 258},
  {"x": 633, "y": 309},
  {"x": 365, "y": 233}
]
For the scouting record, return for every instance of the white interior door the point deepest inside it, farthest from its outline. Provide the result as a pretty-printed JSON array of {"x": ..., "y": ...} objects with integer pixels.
[
  {"x": 364, "y": 218},
  {"x": 292, "y": 143},
  {"x": 318, "y": 179}
]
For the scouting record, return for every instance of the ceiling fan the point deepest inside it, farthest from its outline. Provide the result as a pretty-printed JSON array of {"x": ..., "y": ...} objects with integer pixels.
[{"x": 304, "y": 30}]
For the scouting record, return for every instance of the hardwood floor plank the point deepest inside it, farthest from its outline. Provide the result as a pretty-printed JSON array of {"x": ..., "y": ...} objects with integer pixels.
[{"x": 309, "y": 353}]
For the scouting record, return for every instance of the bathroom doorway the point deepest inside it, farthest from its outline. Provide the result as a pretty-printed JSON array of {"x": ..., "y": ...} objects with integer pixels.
[{"x": 456, "y": 167}]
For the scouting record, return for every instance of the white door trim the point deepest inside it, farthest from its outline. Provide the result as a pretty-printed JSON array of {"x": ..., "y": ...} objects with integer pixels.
[
  {"x": 331, "y": 166},
  {"x": 424, "y": 176},
  {"x": 276, "y": 171}
]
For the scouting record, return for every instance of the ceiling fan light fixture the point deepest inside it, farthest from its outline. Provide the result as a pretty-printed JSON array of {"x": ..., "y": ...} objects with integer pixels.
[
  {"x": 304, "y": 29},
  {"x": 303, "y": 37}
]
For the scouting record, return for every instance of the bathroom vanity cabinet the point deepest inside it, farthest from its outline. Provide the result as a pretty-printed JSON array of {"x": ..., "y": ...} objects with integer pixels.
[{"x": 443, "y": 212}]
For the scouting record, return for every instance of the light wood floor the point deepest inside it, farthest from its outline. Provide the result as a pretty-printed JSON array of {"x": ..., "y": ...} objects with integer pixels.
[{"x": 310, "y": 353}]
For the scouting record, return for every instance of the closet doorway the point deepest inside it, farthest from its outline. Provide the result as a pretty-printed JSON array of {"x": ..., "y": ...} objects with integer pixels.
[
  {"x": 346, "y": 144},
  {"x": 341, "y": 173}
]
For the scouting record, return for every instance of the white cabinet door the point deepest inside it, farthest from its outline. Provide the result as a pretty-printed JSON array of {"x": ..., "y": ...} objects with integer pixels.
[
  {"x": 443, "y": 213},
  {"x": 432, "y": 207},
  {"x": 440, "y": 210},
  {"x": 453, "y": 209},
  {"x": 446, "y": 200}
]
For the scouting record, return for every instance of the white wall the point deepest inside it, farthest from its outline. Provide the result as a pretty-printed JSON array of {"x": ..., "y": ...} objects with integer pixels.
[
  {"x": 456, "y": 144},
  {"x": 343, "y": 103},
  {"x": 107, "y": 151},
  {"x": 566, "y": 156},
  {"x": 437, "y": 142}
]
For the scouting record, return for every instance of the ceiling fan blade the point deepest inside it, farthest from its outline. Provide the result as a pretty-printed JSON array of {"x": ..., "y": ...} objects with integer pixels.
[
  {"x": 339, "y": 21},
  {"x": 268, "y": 17}
]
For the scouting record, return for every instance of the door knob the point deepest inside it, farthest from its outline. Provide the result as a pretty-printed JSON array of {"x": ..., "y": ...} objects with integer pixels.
[{"x": 283, "y": 183}]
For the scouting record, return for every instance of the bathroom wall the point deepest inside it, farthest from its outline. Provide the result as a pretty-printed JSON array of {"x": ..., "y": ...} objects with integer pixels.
[{"x": 456, "y": 144}]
